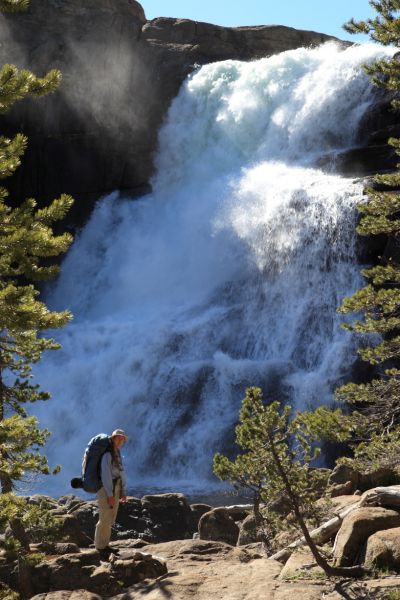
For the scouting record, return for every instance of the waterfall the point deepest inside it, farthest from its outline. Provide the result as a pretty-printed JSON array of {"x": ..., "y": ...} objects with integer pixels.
[{"x": 227, "y": 275}]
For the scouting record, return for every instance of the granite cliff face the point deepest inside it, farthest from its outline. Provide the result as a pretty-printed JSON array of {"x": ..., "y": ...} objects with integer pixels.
[{"x": 98, "y": 132}]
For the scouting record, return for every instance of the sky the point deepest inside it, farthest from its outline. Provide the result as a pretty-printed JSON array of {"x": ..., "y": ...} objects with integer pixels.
[{"x": 325, "y": 16}]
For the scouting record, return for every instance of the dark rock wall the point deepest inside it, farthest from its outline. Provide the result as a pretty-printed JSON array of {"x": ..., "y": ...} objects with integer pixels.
[{"x": 98, "y": 132}]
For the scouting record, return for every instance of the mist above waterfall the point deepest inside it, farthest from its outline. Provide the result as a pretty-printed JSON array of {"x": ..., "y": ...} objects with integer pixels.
[{"x": 229, "y": 274}]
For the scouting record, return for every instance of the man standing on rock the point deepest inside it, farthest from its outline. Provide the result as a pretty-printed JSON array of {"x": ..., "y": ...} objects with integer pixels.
[{"x": 111, "y": 493}]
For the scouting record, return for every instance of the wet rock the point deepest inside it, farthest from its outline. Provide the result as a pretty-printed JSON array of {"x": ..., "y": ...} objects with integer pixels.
[
  {"x": 90, "y": 137},
  {"x": 365, "y": 160}
]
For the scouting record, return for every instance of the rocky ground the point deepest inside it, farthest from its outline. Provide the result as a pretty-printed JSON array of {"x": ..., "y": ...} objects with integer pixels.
[
  {"x": 205, "y": 570},
  {"x": 165, "y": 548}
]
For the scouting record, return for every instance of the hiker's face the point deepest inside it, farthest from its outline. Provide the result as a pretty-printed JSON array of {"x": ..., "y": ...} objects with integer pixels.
[{"x": 118, "y": 441}]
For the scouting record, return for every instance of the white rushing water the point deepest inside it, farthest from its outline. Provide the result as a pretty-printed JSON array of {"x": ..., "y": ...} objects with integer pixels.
[{"x": 229, "y": 274}]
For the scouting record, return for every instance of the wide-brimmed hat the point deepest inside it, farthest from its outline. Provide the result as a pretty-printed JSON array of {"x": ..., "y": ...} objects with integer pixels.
[{"x": 121, "y": 433}]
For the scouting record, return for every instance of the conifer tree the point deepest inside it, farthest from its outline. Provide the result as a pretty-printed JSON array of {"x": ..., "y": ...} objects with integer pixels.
[
  {"x": 378, "y": 401},
  {"x": 277, "y": 457},
  {"x": 27, "y": 245}
]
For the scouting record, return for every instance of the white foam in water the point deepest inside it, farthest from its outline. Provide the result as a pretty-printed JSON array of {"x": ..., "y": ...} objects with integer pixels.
[{"x": 228, "y": 275}]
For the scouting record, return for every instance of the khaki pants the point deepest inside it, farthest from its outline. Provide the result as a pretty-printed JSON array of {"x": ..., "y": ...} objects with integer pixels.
[{"x": 107, "y": 517}]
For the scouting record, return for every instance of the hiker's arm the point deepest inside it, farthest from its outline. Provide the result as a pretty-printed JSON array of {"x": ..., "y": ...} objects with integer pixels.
[{"x": 106, "y": 475}]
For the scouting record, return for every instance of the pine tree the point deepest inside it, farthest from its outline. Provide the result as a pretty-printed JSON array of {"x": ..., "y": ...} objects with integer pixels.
[
  {"x": 27, "y": 247},
  {"x": 278, "y": 452},
  {"x": 378, "y": 401}
]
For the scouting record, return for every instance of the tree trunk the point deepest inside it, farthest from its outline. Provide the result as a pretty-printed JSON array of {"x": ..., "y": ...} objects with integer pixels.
[
  {"x": 356, "y": 571},
  {"x": 5, "y": 481},
  {"x": 379, "y": 496},
  {"x": 24, "y": 579},
  {"x": 321, "y": 534},
  {"x": 19, "y": 532}
]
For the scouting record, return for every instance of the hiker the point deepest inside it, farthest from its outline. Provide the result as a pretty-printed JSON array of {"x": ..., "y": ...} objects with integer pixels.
[{"x": 111, "y": 493}]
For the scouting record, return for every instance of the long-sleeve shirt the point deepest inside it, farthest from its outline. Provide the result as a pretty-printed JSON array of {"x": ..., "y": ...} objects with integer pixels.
[{"x": 110, "y": 471}]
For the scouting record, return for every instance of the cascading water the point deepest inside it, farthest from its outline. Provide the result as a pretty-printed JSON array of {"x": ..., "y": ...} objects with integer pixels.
[{"x": 228, "y": 275}]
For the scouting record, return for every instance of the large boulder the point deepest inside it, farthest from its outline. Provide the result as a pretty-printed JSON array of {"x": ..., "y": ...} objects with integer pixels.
[
  {"x": 219, "y": 526},
  {"x": 356, "y": 529},
  {"x": 169, "y": 514},
  {"x": 344, "y": 475},
  {"x": 383, "y": 549},
  {"x": 85, "y": 571},
  {"x": 154, "y": 518},
  {"x": 86, "y": 513},
  {"x": 98, "y": 132},
  {"x": 131, "y": 522},
  {"x": 70, "y": 531}
]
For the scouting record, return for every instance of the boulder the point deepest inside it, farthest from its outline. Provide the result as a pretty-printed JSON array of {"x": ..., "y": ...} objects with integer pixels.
[
  {"x": 381, "y": 477},
  {"x": 129, "y": 544},
  {"x": 356, "y": 529},
  {"x": 86, "y": 513},
  {"x": 364, "y": 160},
  {"x": 342, "y": 474},
  {"x": 71, "y": 531},
  {"x": 65, "y": 572},
  {"x": 351, "y": 480},
  {"x": 85, "y": 571},
  {"x": 131, "y": 522},
  {"x": 239, "y": 512},
  {"x": 169, "y": 515},
  {"x": 218, "y": 525},
  {"x": 143, "y": 566},
  {"x": 383, "y": 549},
  {"x": 196, "y": 512},
  {"x": 249, "y": 532},
  {"x": 341, "y": 489},
  {"x": 60, "y": 548}
]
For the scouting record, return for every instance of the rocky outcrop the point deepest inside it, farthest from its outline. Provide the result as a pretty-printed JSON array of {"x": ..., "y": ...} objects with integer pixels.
[
  {"x": 345, "y": 480},
  {"x": 84, "y": 570},
  {"x": 199, "y": 570},
  {"x": 203, "y": 569},
  {"x": 356, "y": 529},
  {"x": 153, "y": 518},
  {"x": 98, "y": 132}
]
